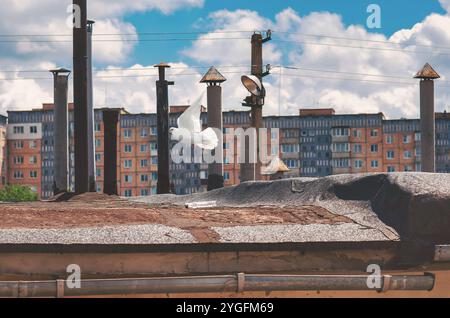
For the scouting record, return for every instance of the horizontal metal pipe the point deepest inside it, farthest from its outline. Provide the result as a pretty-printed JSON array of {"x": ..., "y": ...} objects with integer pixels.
[{"x": 217, "y": 284}]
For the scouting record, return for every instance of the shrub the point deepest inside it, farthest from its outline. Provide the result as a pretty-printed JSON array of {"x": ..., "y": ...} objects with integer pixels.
[{"x": 17, "y": 193}]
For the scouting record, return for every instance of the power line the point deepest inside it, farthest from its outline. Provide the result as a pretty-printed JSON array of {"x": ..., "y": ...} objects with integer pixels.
[
  {"x": 362, "y": 40},
  {"x": 361, "y": 47},
  {"x": 133, "y": 34},
  {"x": 134, "y": 69},
  {"x": 125, "y": 40}
]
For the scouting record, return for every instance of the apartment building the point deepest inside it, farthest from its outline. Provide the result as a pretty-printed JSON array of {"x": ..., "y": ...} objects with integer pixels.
[
  {"x": 24, "y": 145},
  {"x": 314, "y": 144},
  {"x": 3, "y": 151}
]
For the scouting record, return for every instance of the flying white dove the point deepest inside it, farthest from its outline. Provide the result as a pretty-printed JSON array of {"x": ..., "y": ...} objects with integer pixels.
[{"x": 189, "y": 123}]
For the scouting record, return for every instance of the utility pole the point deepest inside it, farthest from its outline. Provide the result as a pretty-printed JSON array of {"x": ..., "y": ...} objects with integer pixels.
[
  {"x": 427, "y": 75},
  {"x": 80, "y": 91},
  {"x": 252, "y": 171},
  {"x": 213, "y": 79},
  {"x": 91, "y": 118},
  {"x": 61, "y": 131},
  {"x": 162, "y": 104}
]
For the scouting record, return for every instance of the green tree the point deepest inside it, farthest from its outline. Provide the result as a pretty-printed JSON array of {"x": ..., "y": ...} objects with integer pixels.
[{"x": 17, "y": 193}]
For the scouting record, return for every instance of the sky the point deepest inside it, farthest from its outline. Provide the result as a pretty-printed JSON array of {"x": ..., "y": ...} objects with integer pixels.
[{"x": 323, "y": 52}]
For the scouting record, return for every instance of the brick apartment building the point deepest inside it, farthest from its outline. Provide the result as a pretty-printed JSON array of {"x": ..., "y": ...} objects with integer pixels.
[
  {"x": 3, "y": 152},
  {"x": 315, "y": 143}
]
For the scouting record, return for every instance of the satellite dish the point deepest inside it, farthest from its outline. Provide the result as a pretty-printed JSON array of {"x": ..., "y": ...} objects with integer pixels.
[{"x": 253, "y": 85}]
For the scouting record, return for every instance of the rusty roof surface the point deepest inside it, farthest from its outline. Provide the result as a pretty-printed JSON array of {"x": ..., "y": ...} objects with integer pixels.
[
  {"x": 427, "y": 72},
  {"x": 213, "y": 76}
]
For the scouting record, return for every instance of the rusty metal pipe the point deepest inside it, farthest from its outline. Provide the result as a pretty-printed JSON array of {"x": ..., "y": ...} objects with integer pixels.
[{"x": 213, "y": 284}]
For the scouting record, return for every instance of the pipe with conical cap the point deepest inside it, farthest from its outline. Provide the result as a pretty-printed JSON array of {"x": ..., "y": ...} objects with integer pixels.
[
  {"x": 427, "y": 75},
  {"x": 213, "y": 78}
]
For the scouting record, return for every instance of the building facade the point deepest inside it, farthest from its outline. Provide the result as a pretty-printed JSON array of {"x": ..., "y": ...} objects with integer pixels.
[
  {"x": 315, "y": 143},
  {"x": 3, "y": 151}
]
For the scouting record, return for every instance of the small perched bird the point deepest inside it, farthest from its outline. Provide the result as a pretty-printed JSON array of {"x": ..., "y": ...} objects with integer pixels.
[{"x": 189, "y": 123}]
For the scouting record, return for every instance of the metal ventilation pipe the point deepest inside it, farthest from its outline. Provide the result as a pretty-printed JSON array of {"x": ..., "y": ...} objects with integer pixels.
[
  {"x": 61, "y": 131},
  {"x": 214, "y": 284}
]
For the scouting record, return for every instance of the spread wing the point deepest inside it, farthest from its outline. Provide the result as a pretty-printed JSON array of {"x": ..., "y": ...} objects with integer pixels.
[{"x": 190, "y": 119}]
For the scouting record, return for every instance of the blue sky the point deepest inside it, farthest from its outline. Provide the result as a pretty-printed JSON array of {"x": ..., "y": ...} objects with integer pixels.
[
  {"x": 354, "y": 70},
  {"x": 396, "y": 15}
]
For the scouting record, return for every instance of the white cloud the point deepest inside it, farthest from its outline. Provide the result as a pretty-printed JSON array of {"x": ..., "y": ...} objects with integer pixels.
[
  {"x": 353, "y": 93},
  {"x": 310, "y": 89},
  {"x": 445, "y": 4},
  {"x": 138, "y": 94},
  {"x": 49, "y": 17}
]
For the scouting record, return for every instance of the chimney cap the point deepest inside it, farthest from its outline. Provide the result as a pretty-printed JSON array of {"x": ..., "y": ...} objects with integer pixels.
[
  {"x": 162, "y": 64},
  {"x": 427, "y": 72},
  {"x": 213, "y": 76},
  {"x": 60, "y": 70}
]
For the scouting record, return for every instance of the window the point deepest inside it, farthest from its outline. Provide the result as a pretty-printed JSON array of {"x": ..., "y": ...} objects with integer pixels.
[
  {"x": 374, "y": 148},
  {"x": 374, "y": 163},
  {"x": 18, "y": 160},
  {"x": 144, "y": 163},
  {"x": 357, "y": 133},
  {"x": 144, "y": 192},
  {"x": 154, "y": 176},
  {"x": 33, "y": 174},
  {"x": 128, "y": 193},
  {"x": 33, "y": 144},
  {"x": 290, "y": 148},
  {"x": 418, "y": 153},
  {"x": 391, "y": 169},
  {"x": 154, "y": 131},
  {"x": 144, "y": 177},
  {"x": 144, "y": 133},
  {"x": 98, "y": 172},
  {"x": 33, "y": 130},
  {"x": 18, "y": 130},
  {"x": 390, "y": 154},
  {"x": 357, "y": 148},
  {"x": 98, "y": 157},
  {"x": 358, "y": 164},
  {"x": 340, "y": 132},
  {"x": 226, "y": 176},
  {"x": 374, "y": 133},
  {"x": 291, "y": 163},
  {"x": 417, "y": 136},
  {"x": 144, "y": 148},
  {"x": 128, "y": 148},
  {"x": 128, "y": 179},
  {"x": 340, "y": 163},
  {"x": 389, "y": 139},
  {"x": 97, "y": 128},
  {"x": 18, "y": 145},
  {"x": 340, "y": 147},
  {"x": 153, "y": 146},
  {"x": 154, "y": 160},
  {"x": 128, "y": 163},
  {"x": 406, "y": 139},
  {"x": 98, "y": 143},
  {"x": 127, "y": 133},
  {"x": 408, "y": 168},
  {"x": 33, "y": 160},
  {"x": 407, "y": 154},
  {"x": 18, "y": 175}
]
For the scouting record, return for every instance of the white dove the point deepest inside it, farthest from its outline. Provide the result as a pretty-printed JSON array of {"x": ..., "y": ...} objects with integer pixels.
[{"x": 190, "y": 123}]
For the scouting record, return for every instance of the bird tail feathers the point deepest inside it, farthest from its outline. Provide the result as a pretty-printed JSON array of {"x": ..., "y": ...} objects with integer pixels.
[{"x": 208, "y": 139}]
